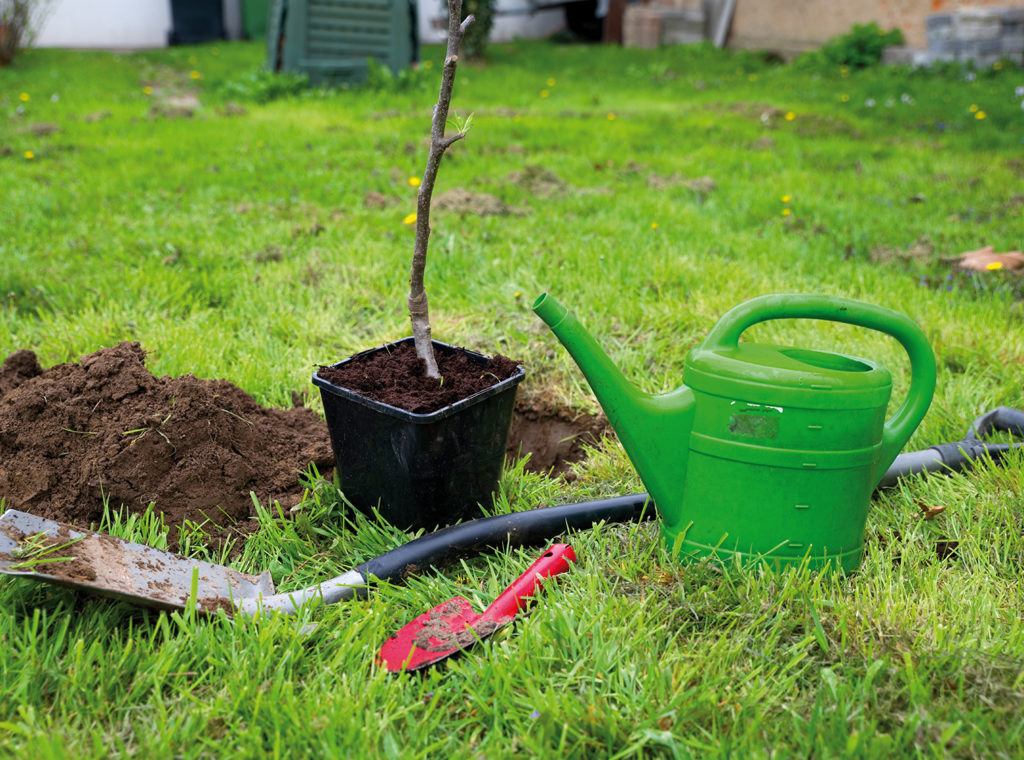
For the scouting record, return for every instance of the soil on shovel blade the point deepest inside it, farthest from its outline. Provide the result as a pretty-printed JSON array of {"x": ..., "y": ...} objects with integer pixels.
[
  {"x": 396, "y": 377},
  {"x": 106, "y": 428}
]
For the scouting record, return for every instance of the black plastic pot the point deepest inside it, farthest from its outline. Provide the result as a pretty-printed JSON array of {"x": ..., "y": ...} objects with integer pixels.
[{"x": 419, "y": 470}]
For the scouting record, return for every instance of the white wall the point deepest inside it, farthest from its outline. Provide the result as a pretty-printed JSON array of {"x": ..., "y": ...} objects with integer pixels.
[
  {"x": 509, "y": 25},
  {"x": 146, "y": 23},
  {"x": 105, "y": 24}
]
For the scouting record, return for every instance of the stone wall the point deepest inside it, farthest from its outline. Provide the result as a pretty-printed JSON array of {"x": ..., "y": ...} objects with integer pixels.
[{"x": 790, "y": 27}]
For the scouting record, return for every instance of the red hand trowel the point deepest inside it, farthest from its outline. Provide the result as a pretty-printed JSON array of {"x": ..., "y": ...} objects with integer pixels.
[{"x": 453, "y": 626}]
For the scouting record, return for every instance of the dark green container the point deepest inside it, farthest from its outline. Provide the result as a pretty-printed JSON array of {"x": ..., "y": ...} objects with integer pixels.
[
  {"x": 254, "y": 18},
  {"x": 331, "y": 40}
]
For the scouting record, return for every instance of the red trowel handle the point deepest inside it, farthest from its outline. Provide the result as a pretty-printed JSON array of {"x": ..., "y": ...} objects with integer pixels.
[{"x": 554, "y": 561}]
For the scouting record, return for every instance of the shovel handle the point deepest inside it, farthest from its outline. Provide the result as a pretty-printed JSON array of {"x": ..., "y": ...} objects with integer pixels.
[{"x": 554, "y": 561}]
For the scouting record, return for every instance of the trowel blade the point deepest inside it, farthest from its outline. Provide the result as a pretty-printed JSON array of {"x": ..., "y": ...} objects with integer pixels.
[
  {"x": 53, "y": 552},
  {"x": 437, "y": 635}
]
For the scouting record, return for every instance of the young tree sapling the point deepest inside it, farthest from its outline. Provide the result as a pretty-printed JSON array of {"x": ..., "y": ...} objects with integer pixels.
[{"x": 417, "y": 301}]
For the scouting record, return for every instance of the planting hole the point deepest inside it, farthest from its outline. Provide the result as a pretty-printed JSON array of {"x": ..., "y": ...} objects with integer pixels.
[{"x": 554, "y": 437}]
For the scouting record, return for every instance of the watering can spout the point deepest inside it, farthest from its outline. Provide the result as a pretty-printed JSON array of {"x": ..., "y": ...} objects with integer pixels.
[{"x": 649, "y": 427}]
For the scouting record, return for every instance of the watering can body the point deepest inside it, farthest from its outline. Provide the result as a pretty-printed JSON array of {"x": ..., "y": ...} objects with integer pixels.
[{"x": 766, "y": 453}]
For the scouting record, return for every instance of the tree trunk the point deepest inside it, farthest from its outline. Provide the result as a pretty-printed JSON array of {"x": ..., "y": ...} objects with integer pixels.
[{"x": 419, "y": 313}]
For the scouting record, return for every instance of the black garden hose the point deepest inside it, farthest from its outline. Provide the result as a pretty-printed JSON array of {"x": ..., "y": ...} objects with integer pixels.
[
  {"x": 536, "y": 526},
  {"x": 528, "y": 528},
  {"x": 946, "y": 458}
]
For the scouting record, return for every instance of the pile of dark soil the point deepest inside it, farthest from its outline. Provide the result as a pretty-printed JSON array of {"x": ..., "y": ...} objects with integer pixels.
[
  {"x": 396, "y": 377},
  {"x": 105, "y": 427}
]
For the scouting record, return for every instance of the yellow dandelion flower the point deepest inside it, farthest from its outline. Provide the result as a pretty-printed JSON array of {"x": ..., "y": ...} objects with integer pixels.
[
  {"x": 29, "y": 155},
  {"x": 993, "y": 266},
  {"x": 790, "y": 116},
  {"x": 194, "y": 74},
  {"x": 544, "y": 93},
  {"x": 786, "y": 199},
  {"x": 654, "y": 225},
  {"x": 786, "y": 212},
  {"x": 973, "y": 108},
  {"x": 551, "y": 82},
  {"x": 844, "y": 98},
  {"x": 517, "y": 294},
  {"x": 410, "y": 219},
  {"x": 147, "y": 90},
  {"x": 414, "y": 181},
  {"x": 24, "y": 97},
  {"x": 611, "y": 116},
  {"x": 980, "y": 115}
]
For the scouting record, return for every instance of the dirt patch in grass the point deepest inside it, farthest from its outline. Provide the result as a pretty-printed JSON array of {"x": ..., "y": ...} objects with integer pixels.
[
  {"x": 922, "y": 250},
  {"x": 699, "y": 185},
  {"x": 42, "y": 129},
  {"x": 105, "y": 427},
  {"x": 554, "y": 437},
  {"x": 462, "y": 201},
  {"x": 180, "y": 106},
  {"x": 538, "y": 181},
  {"x": 805, "y": 124},
  {"x": 374, "y": 199}
]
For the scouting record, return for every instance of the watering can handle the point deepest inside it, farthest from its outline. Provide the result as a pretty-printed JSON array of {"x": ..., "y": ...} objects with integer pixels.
[{"x": 901, "y": 425}]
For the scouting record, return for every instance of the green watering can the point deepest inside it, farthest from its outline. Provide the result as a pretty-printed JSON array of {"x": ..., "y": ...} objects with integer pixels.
[{"x": 766, "y": 453}]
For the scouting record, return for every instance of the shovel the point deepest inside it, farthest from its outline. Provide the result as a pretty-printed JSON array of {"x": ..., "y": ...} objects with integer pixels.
[
  {"x": 45, "y": 550},
  {"x": 81, "y": 559},
  {"x": 453, "y": 626}
]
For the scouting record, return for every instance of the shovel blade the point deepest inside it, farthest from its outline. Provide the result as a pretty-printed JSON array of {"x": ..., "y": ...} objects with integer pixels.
[{"x": 53, "y": 552}]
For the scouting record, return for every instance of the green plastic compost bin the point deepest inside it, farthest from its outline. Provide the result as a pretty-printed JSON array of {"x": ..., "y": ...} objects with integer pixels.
[
  {"x": 331, "y": 40},
  {"x": 254, "y": 18}
]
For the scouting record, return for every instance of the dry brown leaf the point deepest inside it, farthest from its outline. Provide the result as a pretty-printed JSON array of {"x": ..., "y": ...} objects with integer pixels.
[
  {"x": 930, "y": 512},
  {"x": 987, "y": 260}
]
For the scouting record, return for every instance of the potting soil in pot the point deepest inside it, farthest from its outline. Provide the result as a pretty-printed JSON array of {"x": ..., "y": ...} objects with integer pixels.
[
  {"x": 105, "y": 427},
  {"x": 396, "y": 377}
]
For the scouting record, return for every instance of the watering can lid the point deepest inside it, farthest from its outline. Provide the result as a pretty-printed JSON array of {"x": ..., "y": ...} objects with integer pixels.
[{"x": 788, "y": 376}]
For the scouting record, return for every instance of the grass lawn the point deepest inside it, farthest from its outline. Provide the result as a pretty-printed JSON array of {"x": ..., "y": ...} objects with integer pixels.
[{"x": 263, "y": 235}]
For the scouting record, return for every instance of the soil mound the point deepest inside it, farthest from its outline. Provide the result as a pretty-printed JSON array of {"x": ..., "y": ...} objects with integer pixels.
[{"x": 105, "y": 427}]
